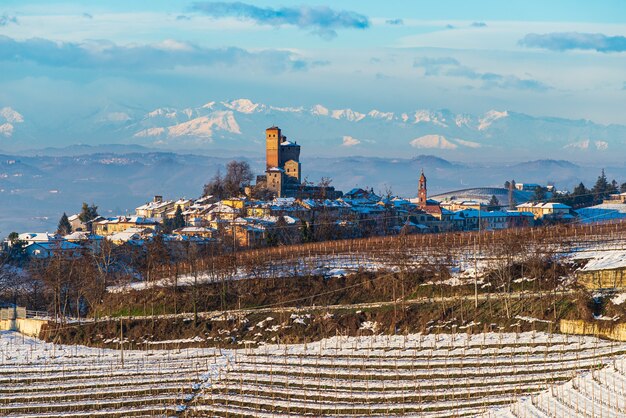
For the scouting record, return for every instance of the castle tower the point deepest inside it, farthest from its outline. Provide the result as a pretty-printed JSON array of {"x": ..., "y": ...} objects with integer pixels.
[
  {"x": 422, "y": 191},
  {"x": 273, "y": 138}
]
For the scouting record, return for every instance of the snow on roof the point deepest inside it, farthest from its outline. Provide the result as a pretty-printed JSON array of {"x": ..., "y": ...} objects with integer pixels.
[
  {"x": 155, "y": 205},
  {"x": 546, "y": 205},
  {"x": 140, "y": 220},
  {"x": 192, "y": 229},
  {"x": 36, "y": 237},
  {"x": 604, "y": 260},
  {"x": 77, "y": 236},
  {"x": 222, "y": 208},
  {"x": 602, "y": 212},
  {"x": 73, "y": 217},
  {"x": 124, "y": 236},
  {"x": 63, "y": 245}
]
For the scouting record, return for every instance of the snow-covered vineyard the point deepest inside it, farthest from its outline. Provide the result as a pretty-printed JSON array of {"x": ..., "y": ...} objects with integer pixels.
[
  {"x": 461, "y": 254},
  {"x": 39, "y": 379},
  {"x": 414, "y": 375},
  {"x": 597, "y": 393}
]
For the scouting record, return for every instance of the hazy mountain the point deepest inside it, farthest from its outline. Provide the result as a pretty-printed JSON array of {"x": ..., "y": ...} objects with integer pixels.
[{"x": 238, "y": 125}]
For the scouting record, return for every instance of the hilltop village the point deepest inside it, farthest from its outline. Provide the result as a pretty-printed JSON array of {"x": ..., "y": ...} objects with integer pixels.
[{"x": 283, "y": 209}]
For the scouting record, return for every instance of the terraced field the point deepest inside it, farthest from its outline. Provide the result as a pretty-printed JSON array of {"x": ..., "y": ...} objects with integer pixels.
[
  {"x": 434, "y": 376},
  {"x": 39, "y": 379},
  {"x": 598, "y": 393},
  {"x": 415, "y": 375}
]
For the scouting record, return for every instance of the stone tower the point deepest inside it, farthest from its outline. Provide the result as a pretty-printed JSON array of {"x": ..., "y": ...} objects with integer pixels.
[
  {"x": 273, "y": 138},
  {"x": 422, "y": 191}
]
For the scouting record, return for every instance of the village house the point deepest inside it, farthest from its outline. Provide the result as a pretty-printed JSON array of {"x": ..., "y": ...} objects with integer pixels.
[
  {"x": 156, "y": 209},
  {"x": 471, "y": 220},
  {"x": 616, "y": 198},
  {"x": 47, "y": 249},
  {"x": 555, "y": 211},
  {"x": 110, "y": 226},
  {"x": 183, "y": 204},
  {"x": 196, "y": 231}
]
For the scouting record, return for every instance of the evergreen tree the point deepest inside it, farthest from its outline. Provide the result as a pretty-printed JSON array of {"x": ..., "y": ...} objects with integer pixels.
[
  {"x": 88, "y": 213},
  {"x": 306, "y": 234},
  {"x": 581, "y": 196},
  {"x": 64, "y": 227},
  {"x": 494, "y": 203},
  {"x": 602, "y": 189},
  {"x": 539, "y": 195},
  {"x": 179, "y": 219},
  {"x": 622, "y": 188}
]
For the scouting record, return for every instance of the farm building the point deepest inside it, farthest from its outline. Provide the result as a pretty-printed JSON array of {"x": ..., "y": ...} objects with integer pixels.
[{"x": 604, "y": 270}]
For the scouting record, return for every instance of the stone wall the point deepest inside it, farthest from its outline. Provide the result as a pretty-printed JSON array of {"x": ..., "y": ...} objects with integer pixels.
[
  {"x": 602, "y": 279},
  {"x": 27, "y": 326},
  {"x": 579, "y": 327}
]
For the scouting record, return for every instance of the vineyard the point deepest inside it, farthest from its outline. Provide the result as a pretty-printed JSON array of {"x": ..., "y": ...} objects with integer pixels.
[
  {"x": 40, "y": 379},
  {"x": 461, "y": 252},
  {"x": 597, "y": 393},
  {"x": 455, "y": 374}
]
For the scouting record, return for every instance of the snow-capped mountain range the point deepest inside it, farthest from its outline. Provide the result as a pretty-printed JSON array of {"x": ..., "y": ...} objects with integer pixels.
[
  {"x": 238, "y": 125},
  {"x": 8, "y": 119}
]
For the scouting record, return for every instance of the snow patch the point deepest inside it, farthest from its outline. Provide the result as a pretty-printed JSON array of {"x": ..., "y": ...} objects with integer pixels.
[
  {"x": 244, "y": 106},
  {"x": 10, "y": 115},
  {"x": 489, "y": 118},
  {"x": 150, "y": 132},
  {"x": 618, "y": 299},
  {"x": 433, "y": 141},
  {"x": 205, "y": 125},
  {"x": 370, "y": 326},
  {"x": 349, "y": 141},
  {"x": 426, "y": 116},
  {"x": 347, "y": 114},
  {"x": 6, "y": 129},
  {"x": 319, "y": 110},
  {"x": 376, "y": 114}
]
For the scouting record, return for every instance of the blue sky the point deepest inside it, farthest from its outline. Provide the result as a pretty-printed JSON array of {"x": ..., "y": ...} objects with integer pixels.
[{"x": 555, "y": 58}]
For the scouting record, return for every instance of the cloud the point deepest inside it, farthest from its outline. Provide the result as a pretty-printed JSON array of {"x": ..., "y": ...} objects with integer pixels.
[
  {"x": 394, "y": 22},
  {"x": 564, "y": 41},
  {"x": 183, "y": 17},
  {"x": 478, "y": 25},
  {"x": 6, "y": 19},
  {"x": 87, "y": 15},
  {"x": 322, "y": 20},
  {"x": 450, "y": 67},
  {"x": 434, "y": 66},
  {"x": 349, "y": 141},
  {"x": 165, "y": 55}
]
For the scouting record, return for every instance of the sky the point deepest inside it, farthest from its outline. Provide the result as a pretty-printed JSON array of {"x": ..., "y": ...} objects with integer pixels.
[{"x": 543, "y": 58}]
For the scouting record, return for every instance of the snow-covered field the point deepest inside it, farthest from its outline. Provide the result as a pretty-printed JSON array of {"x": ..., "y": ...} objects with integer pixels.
[
  {"x": 39, "y": 379},
  {"x": 597, "y": 393},
  {"x": 414, "y": 375}
]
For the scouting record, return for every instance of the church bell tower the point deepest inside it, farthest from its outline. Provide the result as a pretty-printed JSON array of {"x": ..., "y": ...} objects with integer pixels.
[{"x": 421, "y": 190}]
